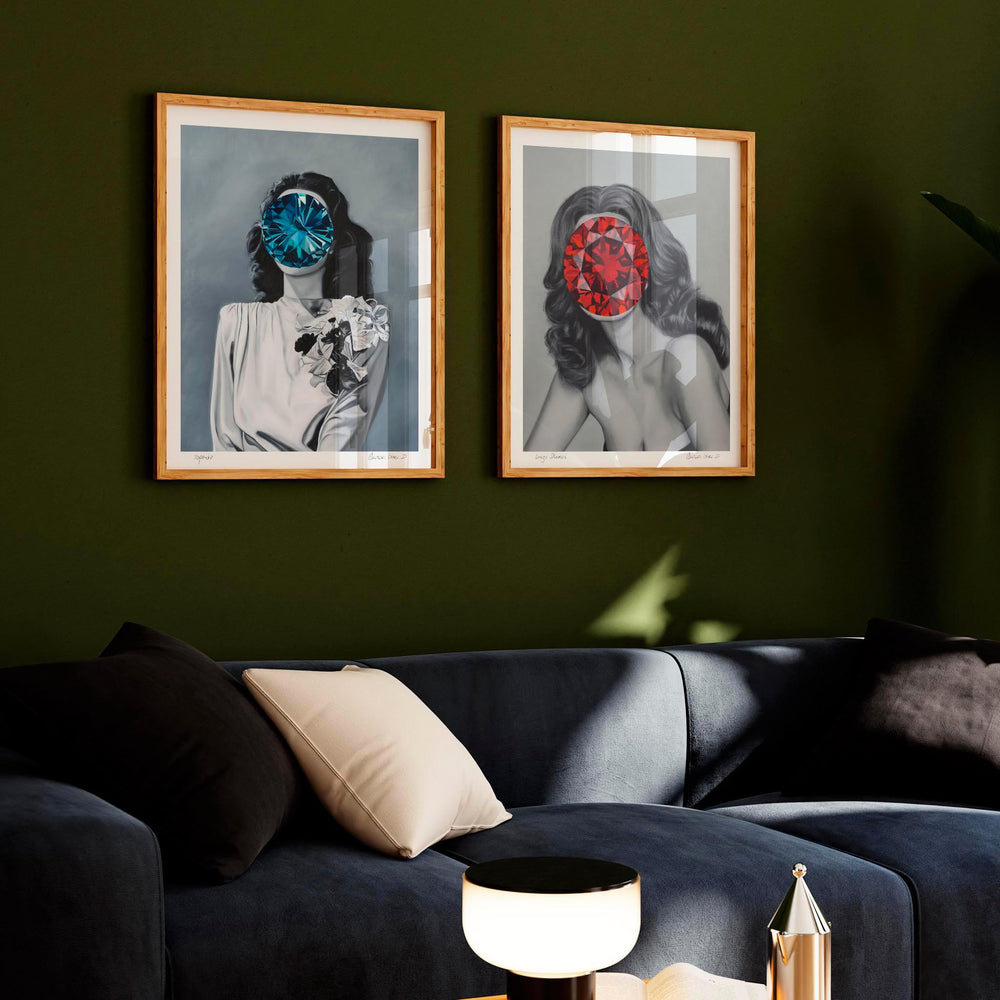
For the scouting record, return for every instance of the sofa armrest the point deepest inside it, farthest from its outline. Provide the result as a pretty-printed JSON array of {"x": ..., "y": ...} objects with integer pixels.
[
  {"x": 750, "y": 704},
  {"x": 81, "y": 893}
]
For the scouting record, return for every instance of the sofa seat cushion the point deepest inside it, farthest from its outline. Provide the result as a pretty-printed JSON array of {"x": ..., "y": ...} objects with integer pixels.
[
  {"x": 710, "y": 885},
  {"x": 323, "y": 916},
  {"x": 949, "y": 857}
]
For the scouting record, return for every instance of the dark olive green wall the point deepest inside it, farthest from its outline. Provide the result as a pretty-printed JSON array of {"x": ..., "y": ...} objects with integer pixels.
[{"x": 878, "y": 485}]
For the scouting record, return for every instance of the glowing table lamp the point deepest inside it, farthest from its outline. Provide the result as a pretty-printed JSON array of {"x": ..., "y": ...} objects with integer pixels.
[{"x": 550, "y": 922}]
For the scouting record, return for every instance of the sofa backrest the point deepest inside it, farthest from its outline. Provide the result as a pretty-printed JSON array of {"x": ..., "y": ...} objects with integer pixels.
[
  {"x": 554, "y": 725},
  {"x": 692, "y": 725},
  {"x": 753, "y": 706}
]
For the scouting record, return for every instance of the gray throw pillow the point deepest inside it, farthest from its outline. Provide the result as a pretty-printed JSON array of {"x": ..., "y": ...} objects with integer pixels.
[{"x": 923, "y": 724}]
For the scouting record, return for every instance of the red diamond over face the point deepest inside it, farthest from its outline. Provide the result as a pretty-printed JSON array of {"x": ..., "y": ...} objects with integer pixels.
[{"x": 606, "y": 266}]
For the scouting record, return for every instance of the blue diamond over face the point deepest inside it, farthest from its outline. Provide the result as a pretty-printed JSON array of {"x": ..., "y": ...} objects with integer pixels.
[{"x": 297, "y": 230}]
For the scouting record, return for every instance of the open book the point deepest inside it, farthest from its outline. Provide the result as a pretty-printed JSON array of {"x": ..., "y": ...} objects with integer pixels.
[{"x": 679, "y": 981}]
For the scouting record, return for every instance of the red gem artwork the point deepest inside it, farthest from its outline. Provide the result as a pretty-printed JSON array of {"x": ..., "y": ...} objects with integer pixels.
[{"x": 606, "y": 266}]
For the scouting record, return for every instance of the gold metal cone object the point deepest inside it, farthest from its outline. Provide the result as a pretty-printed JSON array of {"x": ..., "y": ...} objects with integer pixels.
[{"x": 798, "y": 961}]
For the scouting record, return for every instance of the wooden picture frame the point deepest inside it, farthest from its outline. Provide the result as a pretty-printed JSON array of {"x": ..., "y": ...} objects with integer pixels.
[
  {"x": 289, "y": 344},
  {"x": 565, "y": 357}
]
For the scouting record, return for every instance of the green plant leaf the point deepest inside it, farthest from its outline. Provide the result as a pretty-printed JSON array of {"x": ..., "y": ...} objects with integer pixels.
[{"x": 986, "y": 234}]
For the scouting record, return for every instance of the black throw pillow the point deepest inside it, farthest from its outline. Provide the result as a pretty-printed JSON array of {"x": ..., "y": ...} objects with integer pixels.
[
  {"x": 163, "y": 732},
  {"x": 923, "y": 725}
]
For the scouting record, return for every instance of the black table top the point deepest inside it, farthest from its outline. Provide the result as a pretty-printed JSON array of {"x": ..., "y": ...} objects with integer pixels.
[{"x": 551, "y": 875}]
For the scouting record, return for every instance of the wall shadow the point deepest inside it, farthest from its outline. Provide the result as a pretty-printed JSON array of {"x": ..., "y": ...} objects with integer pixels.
[{"x": 947, "y": 475}]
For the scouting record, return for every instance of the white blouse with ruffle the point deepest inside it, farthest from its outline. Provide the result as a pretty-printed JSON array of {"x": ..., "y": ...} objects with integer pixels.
[{"x": 270, "y": 390}]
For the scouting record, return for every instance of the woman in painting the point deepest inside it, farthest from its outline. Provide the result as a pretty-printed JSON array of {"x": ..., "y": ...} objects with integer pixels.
[
  {"x": 635, "y": 345},
  {"x": 303, "y": 367}
]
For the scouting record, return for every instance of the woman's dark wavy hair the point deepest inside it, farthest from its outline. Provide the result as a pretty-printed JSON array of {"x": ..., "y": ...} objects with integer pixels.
[
  {"x": 575, "y": 340},
  {"x": 348, "y": 269}
]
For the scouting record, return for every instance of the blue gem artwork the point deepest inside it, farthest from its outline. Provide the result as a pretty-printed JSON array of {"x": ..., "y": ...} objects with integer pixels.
[{"x": 297, "y": 230}]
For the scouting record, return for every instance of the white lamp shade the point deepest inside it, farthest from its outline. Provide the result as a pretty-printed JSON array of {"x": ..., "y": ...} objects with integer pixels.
[{"x": 551, "y": 935}]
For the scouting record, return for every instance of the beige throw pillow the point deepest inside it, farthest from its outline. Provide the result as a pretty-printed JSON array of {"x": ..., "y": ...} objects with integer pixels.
[{"x": 384, "y": 765}]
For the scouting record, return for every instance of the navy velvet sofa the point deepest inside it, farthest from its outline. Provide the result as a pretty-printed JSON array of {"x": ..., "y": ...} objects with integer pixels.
[{"x": 666, "y": 760}]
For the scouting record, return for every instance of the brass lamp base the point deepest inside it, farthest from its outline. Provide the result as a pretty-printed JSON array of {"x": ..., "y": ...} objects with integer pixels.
[{"x": 572, "y": 988}]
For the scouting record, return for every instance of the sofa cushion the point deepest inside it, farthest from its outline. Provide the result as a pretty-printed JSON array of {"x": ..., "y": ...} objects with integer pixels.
[
  {"x": 710, "y": 885},
  {"x": 560, "y": 725},
  {"x": 552, "y": 725},
  {"x": 922, "y": 724},
  {"x": 326, "y": 917},
  {"x": 81, "y": 907},
  {"x": 157, "y": 728},
  {"x": 384, "y": 765},
  {"x": 950, "y": 859},
  {"x": 750, "y": 704}
]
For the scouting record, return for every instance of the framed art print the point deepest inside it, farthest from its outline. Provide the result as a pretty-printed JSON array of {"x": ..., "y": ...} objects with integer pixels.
[
  {"x": 627, "y": 300},
  {"x": 300, "y": 290}
]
